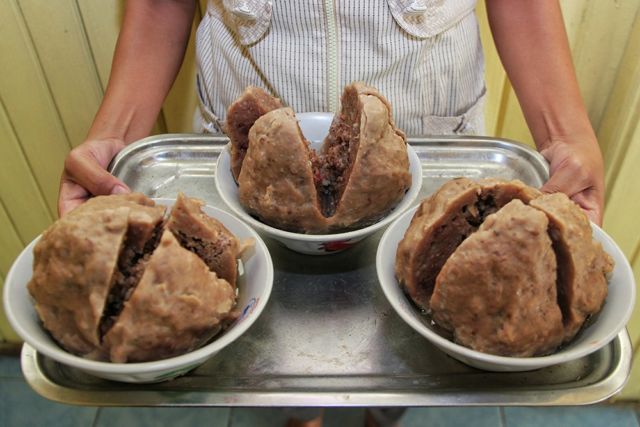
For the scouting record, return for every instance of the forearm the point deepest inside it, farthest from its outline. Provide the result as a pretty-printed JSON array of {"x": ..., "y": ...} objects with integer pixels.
[
  {"x": 148, "y": 55},
  {"x": 533, "y": 46}
]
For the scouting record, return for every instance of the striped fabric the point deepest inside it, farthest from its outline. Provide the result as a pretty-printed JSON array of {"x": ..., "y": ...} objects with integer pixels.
[{"x": 423, "y": 55}]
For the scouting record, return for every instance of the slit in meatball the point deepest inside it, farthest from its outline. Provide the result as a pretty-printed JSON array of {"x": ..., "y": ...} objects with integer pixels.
[
  {"x": 333, "y": 167},
  {"x": 131, "y": 263}
]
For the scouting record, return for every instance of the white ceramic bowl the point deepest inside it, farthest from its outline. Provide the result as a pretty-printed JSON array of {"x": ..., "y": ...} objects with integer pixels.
[
  {"x": 254, "y": 284},
  {"x": 609, "y": 322},
  {"x": 314, "y": 126}
]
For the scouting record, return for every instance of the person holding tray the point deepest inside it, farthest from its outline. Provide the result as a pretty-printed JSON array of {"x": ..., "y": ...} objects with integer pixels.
[{"x": 424, "y": 56}]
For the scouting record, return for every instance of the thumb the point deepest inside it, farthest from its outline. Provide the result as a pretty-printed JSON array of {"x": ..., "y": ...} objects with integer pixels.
[
  {"x": 566, "y": 174},
  {"x": 86, "y": 166},
  {"x": 563, "y": 181},
  {"x": 85, "y": 174},
  {"x": 73, "y": 194},
  {"x": 588, "y": 200}
]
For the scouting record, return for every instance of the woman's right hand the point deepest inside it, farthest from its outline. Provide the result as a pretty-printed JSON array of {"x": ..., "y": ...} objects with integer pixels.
[
  {"x": 133, "y": 97},
  {"x": 85, "y": 173}
]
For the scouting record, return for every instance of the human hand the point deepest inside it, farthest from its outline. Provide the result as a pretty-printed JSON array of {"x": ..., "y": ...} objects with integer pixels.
[
  {"x": 576, "y": 169},
  {"x": 85, "y": 173}
]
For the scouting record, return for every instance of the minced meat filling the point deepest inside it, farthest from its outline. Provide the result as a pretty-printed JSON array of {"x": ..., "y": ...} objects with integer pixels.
[
  {"x": 449, "y": 236},
  {"x": 129, "y": 272},
  {"x": 335, "y": 163},
  {"x": 476, "y": 214},
  {"x": 207, "y": 251},
  {"x": 486, "y": 206},
  {"x": 564, "y": 271},
  {"x": 333, "y": 167},
  {"x": 249, "y": 114}
]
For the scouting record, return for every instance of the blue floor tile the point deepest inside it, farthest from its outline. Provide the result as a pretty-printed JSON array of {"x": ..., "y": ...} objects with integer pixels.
[
  {"x": 572, "y": 416},
  {"x": 10, "y": 367},
  {"x": 159, "y": 417},
  {"x": 344, "y": 417},
  {"x": 451, "y": 417},
  {"x": 276, "y": 417},
  {"x": 20, "y": 406},
  {"x": 260, "y": 417}
]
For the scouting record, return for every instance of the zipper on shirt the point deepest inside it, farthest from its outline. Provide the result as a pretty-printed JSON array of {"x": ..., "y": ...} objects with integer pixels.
[{"x": 332, "y": 55}]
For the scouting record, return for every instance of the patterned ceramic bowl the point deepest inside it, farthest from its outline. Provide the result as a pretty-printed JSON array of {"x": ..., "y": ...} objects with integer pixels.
[
  {"x": 254, "y": 283},
  {"x": 314, "y": 126}
]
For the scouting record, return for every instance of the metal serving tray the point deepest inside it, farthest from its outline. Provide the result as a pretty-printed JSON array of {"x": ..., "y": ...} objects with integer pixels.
[{"x": 328, "y": 336}]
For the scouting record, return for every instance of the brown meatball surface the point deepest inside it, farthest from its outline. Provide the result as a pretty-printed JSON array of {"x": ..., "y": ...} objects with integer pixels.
[
  {"x": 359, "y": 175},
  {"x": 497, "y": 292},
  {"x": 111, "y": 280},
  {"x": 376, "y": 176},
  {"x": 442, "y": 222},
  {"x": 439, "y": 225},
  {"x": 241, "y": 115},
  {"x": 205, "y": 236},
  {"x": 276, "y": 181},
  {"x": 506, "y": 269},
  {"x": 75, "y": 262},
  {"x": 582, "y": 263},
  {"x": 177, "y": 306}
]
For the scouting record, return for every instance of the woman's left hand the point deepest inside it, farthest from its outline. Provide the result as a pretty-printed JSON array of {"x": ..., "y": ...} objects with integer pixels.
[
  {"x": 534, "y": 49},
  {"x": 576, "y": 169}
]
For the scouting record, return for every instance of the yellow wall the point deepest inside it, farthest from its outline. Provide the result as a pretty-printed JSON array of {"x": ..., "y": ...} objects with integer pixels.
[{"x": 55, "y": 66}]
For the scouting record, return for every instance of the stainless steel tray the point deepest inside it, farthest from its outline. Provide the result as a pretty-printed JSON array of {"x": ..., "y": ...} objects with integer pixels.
[{"x": 328, "y": 336}]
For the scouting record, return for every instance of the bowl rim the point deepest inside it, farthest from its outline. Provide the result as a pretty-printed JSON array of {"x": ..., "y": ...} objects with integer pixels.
[
  {"x": 562, "y": 355},
  {"x": 405, "y": 203},
  {"x": 57, "y": 353}
]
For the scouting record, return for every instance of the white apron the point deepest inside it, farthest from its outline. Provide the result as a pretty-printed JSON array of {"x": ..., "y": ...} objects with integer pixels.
[{"x": 424, "y": 56}]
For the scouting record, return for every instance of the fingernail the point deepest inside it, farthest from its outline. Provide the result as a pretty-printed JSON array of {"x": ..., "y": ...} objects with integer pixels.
[{"x": 119, "y": 189}]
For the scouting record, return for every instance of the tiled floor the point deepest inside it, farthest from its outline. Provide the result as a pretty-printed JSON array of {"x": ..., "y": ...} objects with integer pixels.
[{"x": 20, "y": 406}]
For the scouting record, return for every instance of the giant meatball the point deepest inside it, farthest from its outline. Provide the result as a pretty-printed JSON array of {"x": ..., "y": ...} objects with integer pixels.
[
  {"x": 112, "y": 282},
  {"x": 504, "y": 268},
  {"x": 361, "y": 172}
]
